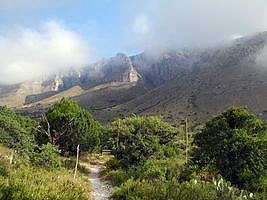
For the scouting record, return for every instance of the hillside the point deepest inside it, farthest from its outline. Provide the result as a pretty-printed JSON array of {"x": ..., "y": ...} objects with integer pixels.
[
  {"x": 174, "y": 84},
  {"x": 221, "y": 78}
]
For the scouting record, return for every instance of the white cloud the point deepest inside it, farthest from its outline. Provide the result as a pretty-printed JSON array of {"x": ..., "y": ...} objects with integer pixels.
[
  {"x": 262, "y": 58},
  {"x": 141, "y": 25},
  {"x": 28, "y": 53},
  {"x": 181, "y": 23}
]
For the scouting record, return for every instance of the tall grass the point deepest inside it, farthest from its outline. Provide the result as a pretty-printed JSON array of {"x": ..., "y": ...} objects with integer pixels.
[{"x": 20, "y": 181}]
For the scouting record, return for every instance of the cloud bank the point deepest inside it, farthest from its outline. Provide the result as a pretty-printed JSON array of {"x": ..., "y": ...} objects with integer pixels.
[
  {"x": 28, "y": 53},
  {"x": 195, "y": 23}
]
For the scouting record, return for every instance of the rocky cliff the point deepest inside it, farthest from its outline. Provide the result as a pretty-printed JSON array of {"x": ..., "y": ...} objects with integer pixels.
[{"x": 174, "y": 84}]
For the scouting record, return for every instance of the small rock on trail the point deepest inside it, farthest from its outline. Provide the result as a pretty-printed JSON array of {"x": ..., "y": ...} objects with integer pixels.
[{"x": 101, "y": 189}]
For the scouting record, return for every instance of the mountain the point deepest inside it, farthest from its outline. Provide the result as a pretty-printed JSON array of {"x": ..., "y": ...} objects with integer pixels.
[
  {"x": 221, "y": 77},
  {"x": 174, "y": 84}
]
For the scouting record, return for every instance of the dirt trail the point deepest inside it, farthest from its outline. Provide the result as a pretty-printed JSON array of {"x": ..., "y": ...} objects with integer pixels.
[{"x": 101, "y": 189}]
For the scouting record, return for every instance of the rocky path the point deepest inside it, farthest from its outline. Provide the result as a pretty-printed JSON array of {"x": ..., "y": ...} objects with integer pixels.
[{"x": 101, "y": 190}]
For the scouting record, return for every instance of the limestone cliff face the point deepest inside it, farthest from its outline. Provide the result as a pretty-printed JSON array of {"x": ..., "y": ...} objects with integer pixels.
[
  {"x": 17, "y": 95},
  {"x": 131, "y": 75},
  {"x": 207, "y": 79},
  {"x": 157, "y": 70},
  {"x": 116, "y": 69}
]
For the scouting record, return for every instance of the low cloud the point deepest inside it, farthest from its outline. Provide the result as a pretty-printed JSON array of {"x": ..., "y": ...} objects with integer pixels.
[
  {"x": 27, "y": 53},
  {"x": 262, "y": 58},
  {"x": 195, "y": 23}
]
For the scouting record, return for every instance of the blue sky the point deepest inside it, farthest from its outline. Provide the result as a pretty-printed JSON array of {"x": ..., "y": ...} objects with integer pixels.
[
  {"x": 97, "y": 21},
  {"x": 45, "y": 36}
]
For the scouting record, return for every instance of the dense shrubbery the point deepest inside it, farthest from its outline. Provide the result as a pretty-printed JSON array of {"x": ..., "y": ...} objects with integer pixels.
[
  {"x": 232, "y": 144},
  {"x": 148, "y": 161},
  {"x": 235, "y": 143},
  {"x": 32, "y": 169},
  {"x": 17, "y": 132},
  {"x": 71, "y": 125},
  {"x": 47, "y": 157},
  {"x": 193, "y": 190},
  {"x": 135, "y": 139}
]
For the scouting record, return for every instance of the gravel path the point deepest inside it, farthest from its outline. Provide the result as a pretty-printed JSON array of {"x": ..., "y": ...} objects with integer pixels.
[{"x": 101, "y": 189}]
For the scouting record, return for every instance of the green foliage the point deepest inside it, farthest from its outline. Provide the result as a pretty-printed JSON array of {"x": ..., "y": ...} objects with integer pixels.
[
  {"x": 16, "y": 131},
  {"x": 159, "y": 170},
  {"x": 149, "y": 167},
  {"x": 47, "y": 157},
  {"x": 235, "y": 143},
  {"x": 71, "y": 125},
  {"x": 132, "y": 189},
  {"x": 134, "y": 139},
  {"x": 193, "y": 190},
  {"x": 117, "y": 177},
  {"x": 113, "y": 164}
]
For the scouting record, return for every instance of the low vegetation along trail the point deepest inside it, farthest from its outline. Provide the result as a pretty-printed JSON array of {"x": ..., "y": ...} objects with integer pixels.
[{"x": 101, "y": 189}]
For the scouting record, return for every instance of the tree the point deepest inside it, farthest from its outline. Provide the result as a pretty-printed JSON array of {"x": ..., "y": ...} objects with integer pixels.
[
  {"x": 134, "y": 139},
  {"x": 71, "y": 125},
  {"x": 234, "y": 143},
  {"x": 17, "y": 131}
]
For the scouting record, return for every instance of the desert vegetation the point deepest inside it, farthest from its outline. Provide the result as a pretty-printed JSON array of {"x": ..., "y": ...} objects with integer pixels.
[
  {"x": 30, "y": 167},
  {"x": 225, "y": 159}
]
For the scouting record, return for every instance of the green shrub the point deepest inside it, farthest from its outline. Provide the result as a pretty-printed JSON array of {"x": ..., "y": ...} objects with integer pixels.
[
  {"x": 134, "y": 189},
  {"x": 112, "y": 164},
  {"x": 47, "y": 157},
  {"x": 17, "y": 131},
  {"x": 172, "y": 190},
  {"x": 71, "y": 126},
  {"x": 69, "y": 163},
  {"x": 117, "y": 177},
  {"x": 135, "y": 139},
  {"x": 235, "y": 143}
]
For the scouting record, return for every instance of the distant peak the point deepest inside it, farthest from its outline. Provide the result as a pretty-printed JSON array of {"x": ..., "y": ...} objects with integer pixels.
[{"x": 121, "y": 55}]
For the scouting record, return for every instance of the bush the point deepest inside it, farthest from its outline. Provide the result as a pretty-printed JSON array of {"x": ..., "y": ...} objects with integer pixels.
[
  {"x": 17, "y": 132},
  {"x": 47, "y": 157},
  {"x": 112, "y": 164},
  {"x": 135, "y": 139},
  {"x": 69, "y": 163},
  {"x": 71, "y": 125},
  {"x": 193, "y": 190},
  {"x": 235, "y": 143},
  {"x": 132, "y": 189},
  {"x": 117, "y": 177}
]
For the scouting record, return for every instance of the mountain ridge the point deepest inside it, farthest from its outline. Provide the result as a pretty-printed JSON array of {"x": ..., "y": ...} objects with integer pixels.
[{"x": 175, "y": 84}]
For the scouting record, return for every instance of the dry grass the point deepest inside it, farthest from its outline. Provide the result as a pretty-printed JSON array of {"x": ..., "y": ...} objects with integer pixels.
[
  {"x": 24, "y": 181},
  {"x": 4, "y": 151},
  {"x": 95, "y": 159}
]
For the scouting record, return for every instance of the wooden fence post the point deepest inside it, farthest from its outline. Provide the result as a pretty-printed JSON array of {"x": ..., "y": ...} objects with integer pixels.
[
  {"x": 186, "y": 139},
  {"x": 77, "y": 161}
]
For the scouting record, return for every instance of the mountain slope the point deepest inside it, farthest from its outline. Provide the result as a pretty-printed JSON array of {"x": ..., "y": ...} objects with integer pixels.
[
  {"x": 175, "y": 84},
  {"x": 220, "y": 78}
]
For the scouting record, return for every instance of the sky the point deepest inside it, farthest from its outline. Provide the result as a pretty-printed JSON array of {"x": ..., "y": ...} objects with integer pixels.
[{"x": 41, "y": 37}]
